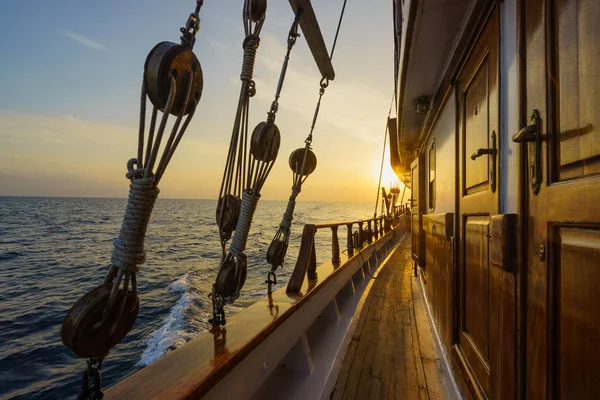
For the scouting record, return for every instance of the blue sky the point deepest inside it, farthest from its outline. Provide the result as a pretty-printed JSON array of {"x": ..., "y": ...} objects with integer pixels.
[{"x": 70, "y": 76}]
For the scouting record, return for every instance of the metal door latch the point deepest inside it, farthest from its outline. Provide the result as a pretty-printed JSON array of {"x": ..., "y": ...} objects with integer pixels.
[
  {"x": 493, "y": 153},
  {"x": 531, "y": 134}
]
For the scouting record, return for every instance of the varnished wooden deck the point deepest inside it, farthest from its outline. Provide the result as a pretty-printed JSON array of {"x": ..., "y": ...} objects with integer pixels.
[{"x": 392, "y": 354}]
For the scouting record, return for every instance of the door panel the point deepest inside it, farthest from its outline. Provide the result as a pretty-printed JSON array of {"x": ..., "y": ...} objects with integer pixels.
[
  {"x": 562, "y": 252},
  {"x": 415, "y": 207},
  {"x": 577, "y": 85},
  {"x": 576, "y": 282},
  {"x": 478, "y": 115},
  {"x": 477, "y": 120},
  {"x": 476, "y": 313}
]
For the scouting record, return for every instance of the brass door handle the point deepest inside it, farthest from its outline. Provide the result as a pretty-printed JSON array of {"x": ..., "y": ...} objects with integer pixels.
[
  {"x": 526, "y": 135},
  {"x": 481, "y": 152},
  {"x": 531, "y": 134},
  {"x": 493, "y": 152}
]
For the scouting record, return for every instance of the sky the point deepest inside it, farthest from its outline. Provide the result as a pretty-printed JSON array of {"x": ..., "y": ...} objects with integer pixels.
[{"x": 70, "y": 79}]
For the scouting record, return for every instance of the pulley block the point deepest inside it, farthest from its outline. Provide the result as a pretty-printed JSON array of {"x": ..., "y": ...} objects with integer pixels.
[
  {"x": 79, "y": 331},
  {"x": 231, "y": 277},
  {"x": 230, "y": 206},
  {"x": 265, "y": 142},
  {"x": 296, "y": 159},
  {"x": 257, "y": 9},
  {"x": 276, "y": 252},
  {"x": 168, "y": 59}
]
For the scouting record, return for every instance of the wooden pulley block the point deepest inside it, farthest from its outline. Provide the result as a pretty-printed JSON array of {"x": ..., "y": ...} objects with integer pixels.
[
  {"x": 256, "y": 10},
  {"x": 231, "y": 277},
  {"x": 78, "y": 331},
  {"x": 276, "y": 252},
  {"x": 168, "y": 59},
  {"x": 296, "y": 159},
  {"x": 265, "y": 141},
  {"x": 231, "y": 206}
]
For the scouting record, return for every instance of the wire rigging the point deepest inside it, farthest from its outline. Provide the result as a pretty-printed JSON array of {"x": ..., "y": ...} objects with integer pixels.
[
  {"x": 383, "y": 151},
  {"x": 302, "y": 162}
]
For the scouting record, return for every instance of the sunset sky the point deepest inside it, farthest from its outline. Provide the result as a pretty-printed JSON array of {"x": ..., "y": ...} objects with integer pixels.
[{"x": 70, "y": 77}]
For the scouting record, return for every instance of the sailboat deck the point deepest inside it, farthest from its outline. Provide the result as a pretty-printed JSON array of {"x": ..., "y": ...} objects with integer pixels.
[{"x": 392, "y": 353}]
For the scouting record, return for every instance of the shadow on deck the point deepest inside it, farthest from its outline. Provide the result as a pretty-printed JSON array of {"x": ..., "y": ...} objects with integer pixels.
[{"x": 392, "y": 354}]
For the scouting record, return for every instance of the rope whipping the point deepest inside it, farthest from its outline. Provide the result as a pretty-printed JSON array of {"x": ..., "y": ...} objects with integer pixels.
[
  {"x": 102, "y": 318},
  {"x": 303, "y": 162},
  {"x": 246, "y": 170}
]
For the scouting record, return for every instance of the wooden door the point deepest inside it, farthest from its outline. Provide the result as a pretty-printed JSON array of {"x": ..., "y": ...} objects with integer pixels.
[
  {"x": 560, "y": 68},
  {"x": 415, "y": 206},
  {"x": 478, "y": 109}
]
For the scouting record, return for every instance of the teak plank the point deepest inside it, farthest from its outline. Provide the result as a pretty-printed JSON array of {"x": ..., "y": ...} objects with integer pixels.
[{"x": 392, "y": 354}]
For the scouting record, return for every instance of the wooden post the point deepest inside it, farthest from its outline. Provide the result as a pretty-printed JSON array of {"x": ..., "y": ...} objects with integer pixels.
[
  {"x": 360, "y": 235},
  {"x": 306, "y": 260},
  {"x": 335, "y": 246},
  {"x": 369, "y": 232},
  {"x": 375, "y": 229},
  {"x": 312, "y": 264},
  {"x": 349, "y": 242}
]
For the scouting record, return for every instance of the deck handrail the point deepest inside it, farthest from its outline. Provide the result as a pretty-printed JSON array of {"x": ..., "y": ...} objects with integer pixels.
[
  {"x": 205, "y": 363},
  {"x": 306, "y": 263}
]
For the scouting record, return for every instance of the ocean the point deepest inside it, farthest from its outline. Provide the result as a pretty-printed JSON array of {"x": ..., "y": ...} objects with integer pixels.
[{"x": 53, "y": 250}]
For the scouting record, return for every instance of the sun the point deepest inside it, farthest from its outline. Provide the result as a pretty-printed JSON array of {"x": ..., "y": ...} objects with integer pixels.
[{"x": 388, "y": 177}]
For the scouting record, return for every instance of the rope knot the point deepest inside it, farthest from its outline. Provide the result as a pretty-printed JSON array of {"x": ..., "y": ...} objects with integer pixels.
[
  {"x": 250, "y": 46},
  {"x": 129, "y": 253}
]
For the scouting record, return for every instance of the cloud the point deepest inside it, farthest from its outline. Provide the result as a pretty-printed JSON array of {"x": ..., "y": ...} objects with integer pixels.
[
  {"x": 216, "y": 44},
  {"x": 89, "y": 43}
]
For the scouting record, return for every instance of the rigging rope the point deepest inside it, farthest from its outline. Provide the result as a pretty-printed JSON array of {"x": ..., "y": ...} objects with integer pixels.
[
  {"x": 302, "y": 162},
  {"x": 102, "y": 317},
  {"x": 246, "y": 170},
  {"x": 383, "y": 151}
]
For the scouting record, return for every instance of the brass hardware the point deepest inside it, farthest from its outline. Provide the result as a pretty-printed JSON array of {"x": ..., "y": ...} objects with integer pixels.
[
  {"x": 531, "y": 134},
  {"x": 493, "y": 152},
  {"x": 481, "y": 152}
]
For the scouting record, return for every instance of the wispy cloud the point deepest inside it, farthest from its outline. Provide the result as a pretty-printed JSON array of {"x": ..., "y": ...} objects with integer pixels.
[
  {"x": 87, "y": 42},
  {"x": 216, "y": 44}
]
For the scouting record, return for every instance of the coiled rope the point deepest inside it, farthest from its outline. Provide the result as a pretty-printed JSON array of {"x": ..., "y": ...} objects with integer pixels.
[{"x": 104, "y": 315}]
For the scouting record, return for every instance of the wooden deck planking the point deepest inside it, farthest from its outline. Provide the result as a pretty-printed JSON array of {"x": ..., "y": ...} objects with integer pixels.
[{"x": 392, "y": 354}]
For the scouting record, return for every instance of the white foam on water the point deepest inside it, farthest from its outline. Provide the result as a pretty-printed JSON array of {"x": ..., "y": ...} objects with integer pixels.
[{"x": 172, "y": 333}]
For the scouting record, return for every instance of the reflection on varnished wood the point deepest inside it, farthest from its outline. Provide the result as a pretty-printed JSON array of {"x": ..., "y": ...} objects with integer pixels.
[
  {"x": 220, "y": 345},
  {"x": 273, "y": 309}
]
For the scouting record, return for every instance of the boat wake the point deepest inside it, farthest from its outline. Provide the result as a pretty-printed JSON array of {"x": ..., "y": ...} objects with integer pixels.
[{"x": 172, "y": 333}]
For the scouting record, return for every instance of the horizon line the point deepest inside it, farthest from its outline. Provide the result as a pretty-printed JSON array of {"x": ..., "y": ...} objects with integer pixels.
[{"x": 168, "y": 198}]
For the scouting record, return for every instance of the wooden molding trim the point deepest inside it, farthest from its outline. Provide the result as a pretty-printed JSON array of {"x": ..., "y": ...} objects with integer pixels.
[
  {"x": 439, "y": 224},
  {"x": 479, "y": 16},
  {"x": 504, "y": 242}
]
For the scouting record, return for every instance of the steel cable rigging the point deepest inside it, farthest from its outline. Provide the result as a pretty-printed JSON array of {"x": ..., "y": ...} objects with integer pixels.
[{"x": 303, "y": 162}]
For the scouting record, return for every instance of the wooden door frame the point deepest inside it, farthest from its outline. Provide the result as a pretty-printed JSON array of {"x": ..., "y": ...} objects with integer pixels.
[
  {"x": 522, "y": 205},
  {"x": 483, "y": 11}
]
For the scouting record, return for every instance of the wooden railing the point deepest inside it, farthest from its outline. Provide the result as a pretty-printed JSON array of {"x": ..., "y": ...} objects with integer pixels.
[
  {"x": 369, "y": 230},
  {"x": 271, "y": 338}
]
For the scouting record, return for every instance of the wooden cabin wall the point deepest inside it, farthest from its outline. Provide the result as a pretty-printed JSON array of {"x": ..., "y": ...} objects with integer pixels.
[
  {"x": 442, "y": 137},
  {"x": 415, "y": 215},
  {"x": 440, "y": 198}
]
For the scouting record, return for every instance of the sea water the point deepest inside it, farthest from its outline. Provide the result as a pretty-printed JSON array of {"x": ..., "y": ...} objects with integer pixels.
[{"x": 53, "y": 250}]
